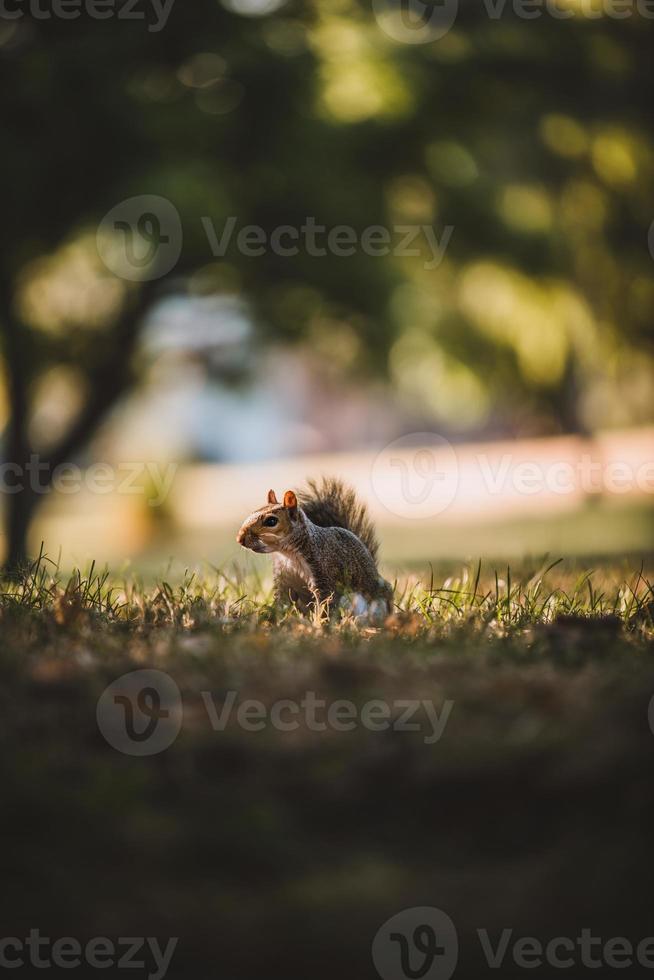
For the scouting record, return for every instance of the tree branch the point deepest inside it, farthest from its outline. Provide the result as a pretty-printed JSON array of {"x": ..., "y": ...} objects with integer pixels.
[{"x": 108, "y": 383}]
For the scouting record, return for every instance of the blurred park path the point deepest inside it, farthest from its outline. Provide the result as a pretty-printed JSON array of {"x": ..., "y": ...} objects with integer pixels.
[{"x": 506, "y": 499}]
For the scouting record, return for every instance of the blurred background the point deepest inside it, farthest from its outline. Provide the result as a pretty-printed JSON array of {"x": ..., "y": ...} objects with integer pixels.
[{"x": 488, "y": 306}]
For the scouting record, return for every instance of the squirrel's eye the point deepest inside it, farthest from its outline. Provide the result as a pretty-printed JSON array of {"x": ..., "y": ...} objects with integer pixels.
[{"x": 270, "y": 522}]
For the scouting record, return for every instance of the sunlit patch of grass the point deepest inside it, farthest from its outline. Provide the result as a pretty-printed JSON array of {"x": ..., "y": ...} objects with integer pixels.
[{"x": 479, "y": 600}]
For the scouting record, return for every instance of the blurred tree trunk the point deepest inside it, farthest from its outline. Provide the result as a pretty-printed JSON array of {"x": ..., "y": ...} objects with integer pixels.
[
  {"x": 19, "y": 503},
  {"x": 567, "y": 403},
  {"x": 107, "y": 381},
  {"x": 20, "y": 509}
]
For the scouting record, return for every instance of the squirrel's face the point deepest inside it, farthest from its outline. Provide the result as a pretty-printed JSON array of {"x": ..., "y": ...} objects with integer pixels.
[{"x": 266, "y": 529}]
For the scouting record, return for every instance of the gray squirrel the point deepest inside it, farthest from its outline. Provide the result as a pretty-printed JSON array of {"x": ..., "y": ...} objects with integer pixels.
[{"x": 323, "y": 542}]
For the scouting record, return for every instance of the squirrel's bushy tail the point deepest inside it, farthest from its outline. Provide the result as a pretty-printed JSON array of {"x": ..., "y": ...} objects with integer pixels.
[{"x": 333, "y": 504}]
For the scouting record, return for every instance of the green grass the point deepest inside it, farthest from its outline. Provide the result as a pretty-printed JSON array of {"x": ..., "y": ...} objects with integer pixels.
[
  {"x": 533, "y": 810},
  {"x": 493, "y": 599}
]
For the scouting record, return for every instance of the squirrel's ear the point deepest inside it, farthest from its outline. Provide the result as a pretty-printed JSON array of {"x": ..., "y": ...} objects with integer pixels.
[
  {"x": 290, "y": 501},
  {"x": 272, "y": 499}
]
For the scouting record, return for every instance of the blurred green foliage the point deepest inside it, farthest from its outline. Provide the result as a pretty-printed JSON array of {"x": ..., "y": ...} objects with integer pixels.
[{"x": 529, "y": 137}]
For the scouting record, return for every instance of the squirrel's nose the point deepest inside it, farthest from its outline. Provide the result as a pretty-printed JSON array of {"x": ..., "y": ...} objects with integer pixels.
[{"x": 240, "y": 537}]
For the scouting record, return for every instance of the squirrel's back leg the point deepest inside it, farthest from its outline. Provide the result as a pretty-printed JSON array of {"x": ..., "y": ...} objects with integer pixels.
[{"x": 324, "y": 591}]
